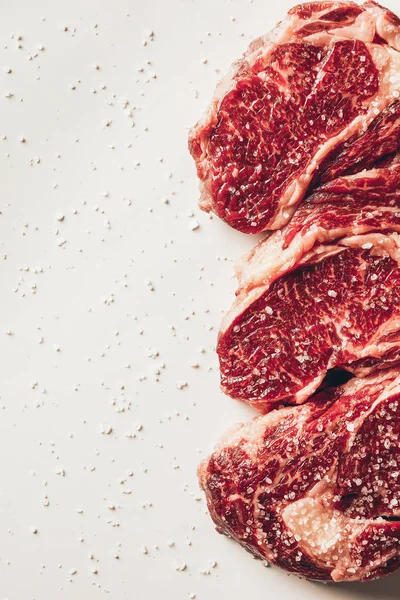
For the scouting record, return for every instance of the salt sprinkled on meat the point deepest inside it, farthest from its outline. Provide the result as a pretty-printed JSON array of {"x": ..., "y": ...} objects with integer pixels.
[
  {"x": 266, "y": 136},
  {"x": 321, "y": 523},
  {"x": 313, "y": 298},
  {"x": 311, "y": 488}
]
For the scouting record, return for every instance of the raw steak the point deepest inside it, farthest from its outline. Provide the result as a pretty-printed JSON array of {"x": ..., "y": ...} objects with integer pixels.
[
  {"x": 363, "y": 149},
  {"x": 350, "y": 205},
  {"x": 323, "y": 292},
  {"x": 315, "y": 489},
  {"x": 316, "y": 98}
]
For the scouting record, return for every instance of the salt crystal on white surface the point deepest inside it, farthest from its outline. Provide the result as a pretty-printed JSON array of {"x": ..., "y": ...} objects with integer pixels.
[
  {"x": 180, "y": 565},
  {"x": 194, "y": 225},
  {"x": 105, "y": 429},
  {"x": 180, "y": 385}
]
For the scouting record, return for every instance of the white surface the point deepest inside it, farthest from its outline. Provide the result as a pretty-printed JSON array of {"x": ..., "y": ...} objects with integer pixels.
[{"x": 56, "y": 423}]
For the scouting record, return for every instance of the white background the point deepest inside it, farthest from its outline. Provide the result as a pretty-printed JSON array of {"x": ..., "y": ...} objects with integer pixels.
[{"x": 68, "y": 287}]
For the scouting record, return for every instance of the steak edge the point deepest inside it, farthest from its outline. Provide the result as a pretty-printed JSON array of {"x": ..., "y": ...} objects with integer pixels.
[
  {"x": 315, "y": 489},
  {"x": 310, "y": 91}
]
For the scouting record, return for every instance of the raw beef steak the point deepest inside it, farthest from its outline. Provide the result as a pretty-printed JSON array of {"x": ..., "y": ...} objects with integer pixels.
[
  {"x": 350, "y": 205},
  {"x": 363, "y": 149},
  {"x": 324, "y": 292},
  {"x": 315, "y": 489},
  {"x": 321, "y": 92}
]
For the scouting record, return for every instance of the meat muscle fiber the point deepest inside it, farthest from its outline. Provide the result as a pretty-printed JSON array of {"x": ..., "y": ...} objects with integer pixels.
[
  {"x": 323, "y": 292},
  {"x": 315, "y": 489},
  {"x": 302, "y": 141},
  {"x": 350, "y": 205},
  {"x": 315, "y": 99}
]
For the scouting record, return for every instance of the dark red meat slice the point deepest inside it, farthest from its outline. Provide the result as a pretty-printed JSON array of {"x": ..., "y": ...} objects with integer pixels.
[
  {"x": 350, "y": 205},
  {"x": 299, "y": 99},
  {"x": 309, "y": 9},
  {"x": 321, "y": 293},
  {"x": 369, "y": 201},
  {"x": 316, "y": 317},
  {"x": 363, "y": 149},
  {"x": 315, "y": 489}
]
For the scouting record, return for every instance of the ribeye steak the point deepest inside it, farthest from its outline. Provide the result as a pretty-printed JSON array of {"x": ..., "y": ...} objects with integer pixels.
[
  {"x": 315, "y": 489},
  {"x": 316, "y": 98},
  {"x": 323, "y": 292},
  {"x": 303, "y": 140},
  {"x": 366, "y": 202}
]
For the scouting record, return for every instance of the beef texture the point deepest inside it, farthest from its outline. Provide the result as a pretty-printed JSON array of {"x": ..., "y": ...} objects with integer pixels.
[
  {"x": 315, "y": 99},
  {"x": 315, "y": 488},
  {"x": 323, "y": 292}
]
